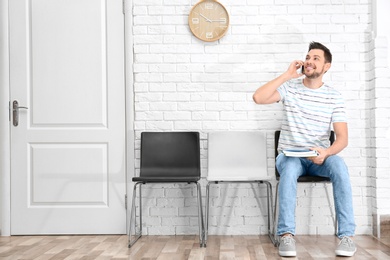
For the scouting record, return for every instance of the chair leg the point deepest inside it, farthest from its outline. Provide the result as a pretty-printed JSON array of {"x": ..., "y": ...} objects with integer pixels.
[
  {"x": 275, "y": 220},
  {"x": 133, "y": 214},
  {"x": 270, "y": 212},
  {"x": 200, "y": 217},
  {"x": 206, "y": 233},
  {"x": 334, "y": 216}
]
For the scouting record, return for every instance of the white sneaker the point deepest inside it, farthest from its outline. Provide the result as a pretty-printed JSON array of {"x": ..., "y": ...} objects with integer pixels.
[
  {"x": 287, "y": 246},
  {"x": 346, "y": 247}
]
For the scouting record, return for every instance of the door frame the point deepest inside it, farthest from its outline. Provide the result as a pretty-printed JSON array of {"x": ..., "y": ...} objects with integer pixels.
[{"x": 5, "y": 159}]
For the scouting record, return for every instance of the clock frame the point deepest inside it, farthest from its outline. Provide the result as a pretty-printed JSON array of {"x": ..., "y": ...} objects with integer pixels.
[{"x": 208, "y": 20}]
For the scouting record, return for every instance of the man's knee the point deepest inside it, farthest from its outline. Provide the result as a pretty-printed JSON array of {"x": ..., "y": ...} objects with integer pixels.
[
  {"x": 337, "y": 166},
  {"x": 289, "y": 166}
]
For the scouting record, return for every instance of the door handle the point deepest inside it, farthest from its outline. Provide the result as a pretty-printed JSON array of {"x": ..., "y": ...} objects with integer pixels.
[{"x": 15, "y": 112}]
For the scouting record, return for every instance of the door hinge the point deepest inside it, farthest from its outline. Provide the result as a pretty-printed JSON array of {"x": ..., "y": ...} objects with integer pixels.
[{"x": 125, "y": 201}]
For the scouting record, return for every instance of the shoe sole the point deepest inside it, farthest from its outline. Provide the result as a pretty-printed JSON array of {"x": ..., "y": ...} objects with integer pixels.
[
  {"x": 345, "y": 253},
  {"x": 287, "y": 253}
]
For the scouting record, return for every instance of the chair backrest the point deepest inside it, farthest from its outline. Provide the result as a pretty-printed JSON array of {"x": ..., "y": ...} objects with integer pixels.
[
  {"x": 237, "y": 156},
  {"x": 276, "y": 140},
  {"x": 170, "y": 154}
]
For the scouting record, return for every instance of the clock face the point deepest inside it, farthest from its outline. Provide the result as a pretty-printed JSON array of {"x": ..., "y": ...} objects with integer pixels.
[{"x": 208, "y": 20}]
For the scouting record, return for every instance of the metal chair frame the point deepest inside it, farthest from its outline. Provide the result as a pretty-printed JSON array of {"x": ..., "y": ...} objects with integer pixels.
[
  {"x": 226, "y": 180},
  {"x": 177, "y": 178}
]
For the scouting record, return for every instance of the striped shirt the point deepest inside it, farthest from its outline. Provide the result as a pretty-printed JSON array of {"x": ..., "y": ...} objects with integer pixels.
[{"x": 308, "y": 115}]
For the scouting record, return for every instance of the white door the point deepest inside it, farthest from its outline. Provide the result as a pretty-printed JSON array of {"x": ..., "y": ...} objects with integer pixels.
[{"x": 68, "y": 147}]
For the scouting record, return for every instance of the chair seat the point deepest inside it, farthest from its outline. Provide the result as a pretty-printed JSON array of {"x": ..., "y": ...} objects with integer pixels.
[
  {"x": 237, "y": 178},
  {"x": 313, "y": 179},
  {"x": 310, "y": 179},
  {"x": 166, "y": 179}
]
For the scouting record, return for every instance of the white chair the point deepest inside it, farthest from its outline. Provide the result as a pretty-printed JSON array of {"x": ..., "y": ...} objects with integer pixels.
[{"x": 238, "y": 157}]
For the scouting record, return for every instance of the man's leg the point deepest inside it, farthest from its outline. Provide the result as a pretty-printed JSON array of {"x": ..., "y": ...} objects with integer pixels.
[
  {"x": 289, "y": 168},
  {"x": 335, "y": 168}
]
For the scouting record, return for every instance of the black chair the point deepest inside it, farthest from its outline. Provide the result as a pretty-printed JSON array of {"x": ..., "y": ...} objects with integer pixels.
[
  {"x": 302, "y": 179},
  {"x": 167, "y": 157}
]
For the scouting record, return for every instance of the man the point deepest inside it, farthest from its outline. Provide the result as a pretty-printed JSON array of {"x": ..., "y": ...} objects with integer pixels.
[{"x": 311, "y": 109}]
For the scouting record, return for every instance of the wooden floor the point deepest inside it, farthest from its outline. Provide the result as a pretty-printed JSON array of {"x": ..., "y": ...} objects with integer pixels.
[{"x": 180, "y": 247}]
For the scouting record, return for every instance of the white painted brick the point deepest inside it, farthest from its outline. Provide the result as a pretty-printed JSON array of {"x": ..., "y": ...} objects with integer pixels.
[
  {"x": 175, "y": 221},
  {"x": 185, "y": 125},
  {"x": 149, "y": 115},
  {"x": 161, "y": 67},
  {"x": 177, "y": 77},
  {"x": 193, "y": 106},
  {"x": 164, "y": 211},
  {"x": 188, "y": 211},
  {"x": 233, "y": 115},
  {"x": 186, "y": 230},
  {"x": 141, "y": 106},
  {"x": 177, "y": 58},
  {"x": 161, "y": 29},
  {"x": 176, "y": 97},
  {"x": 139, "y": 30},
  {"x": 272, "y": 9},
  {"x": 152, "y": 221},
  {"x": 215, "y": 125},
  {"x": 221, "y": 106},
  {"x": 162, "y": 87},
  {"x": 142, "y": 48},
  {"x": 152, "y": 193},
  {"x": 204, "y": 97},
  {"x": 160, "y": 10},
  {"x": 147, "y": 19},
  {"x": 159, "y": 125},
  {"x": 140, "y": 10},
  {"x": 163, "y": 106},
  {"x": 175, "y": 116},
  {"x": 140, "y": 125},
  {"x": 208, "y": 87},
  {"x": 161, "y": 230},
  {"x": 147, "y": 2},
  {"x": 148, "y": 58},
  {"x": 166, "y": 202},
  {"x": 301, "y": 9},
  {"x": 205, "y": 116}
]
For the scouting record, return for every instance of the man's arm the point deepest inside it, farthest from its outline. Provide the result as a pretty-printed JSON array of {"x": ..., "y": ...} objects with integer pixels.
[
  {"x": 268, "y": 94},
  {"x": 341, "y": 132}
]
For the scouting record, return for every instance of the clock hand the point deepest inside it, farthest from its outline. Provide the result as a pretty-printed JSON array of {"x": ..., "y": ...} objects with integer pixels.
[
  {"x": 207, "y": 19},
  {"x": 221, "y": 20}
]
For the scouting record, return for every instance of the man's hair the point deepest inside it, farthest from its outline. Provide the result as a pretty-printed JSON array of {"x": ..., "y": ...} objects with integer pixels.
[{"x": 327, "y": 54}]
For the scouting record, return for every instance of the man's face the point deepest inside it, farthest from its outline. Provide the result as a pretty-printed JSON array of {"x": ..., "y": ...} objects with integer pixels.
[{"x": 315, "y": 65}]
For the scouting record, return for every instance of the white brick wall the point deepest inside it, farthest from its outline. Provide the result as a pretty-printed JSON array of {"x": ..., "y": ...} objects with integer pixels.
[{"x": 181, "y": 83}]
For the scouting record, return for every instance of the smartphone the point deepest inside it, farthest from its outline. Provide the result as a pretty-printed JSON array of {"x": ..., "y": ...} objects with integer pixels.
[{"x": 302, "y": 69}]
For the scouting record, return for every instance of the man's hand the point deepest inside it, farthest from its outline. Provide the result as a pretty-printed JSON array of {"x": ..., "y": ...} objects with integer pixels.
[
  {"x": 268, "y": 94},
  {"x": 292, "y": 72},
  {"x": 322, "y": 155}
]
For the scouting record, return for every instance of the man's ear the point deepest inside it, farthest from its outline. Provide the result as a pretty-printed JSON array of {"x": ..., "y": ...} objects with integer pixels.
[{"x": 327, "y": 66}]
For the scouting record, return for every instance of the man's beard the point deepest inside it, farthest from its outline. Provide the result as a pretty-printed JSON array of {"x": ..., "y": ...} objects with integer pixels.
[{"x": 314, "y": 75}]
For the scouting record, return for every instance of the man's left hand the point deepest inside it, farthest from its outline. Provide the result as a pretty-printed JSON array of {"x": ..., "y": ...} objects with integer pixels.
[{"x": 322, "y": 155}]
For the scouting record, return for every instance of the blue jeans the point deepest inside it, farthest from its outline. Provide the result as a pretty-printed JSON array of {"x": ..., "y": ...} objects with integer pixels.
[{"x": 290, "y": 168}]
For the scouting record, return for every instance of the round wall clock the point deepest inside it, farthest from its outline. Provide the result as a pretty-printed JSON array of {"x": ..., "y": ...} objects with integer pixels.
[{"x": 208, "y": 20}]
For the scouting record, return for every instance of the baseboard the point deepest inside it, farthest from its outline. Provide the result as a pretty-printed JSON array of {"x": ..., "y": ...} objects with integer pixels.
[{"x": 381, "y": 226}]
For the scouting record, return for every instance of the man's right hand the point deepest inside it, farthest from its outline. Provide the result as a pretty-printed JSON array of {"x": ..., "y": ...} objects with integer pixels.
[
  {"x": 292, "y": 71},
  {"x": 268, "y": 94}
]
